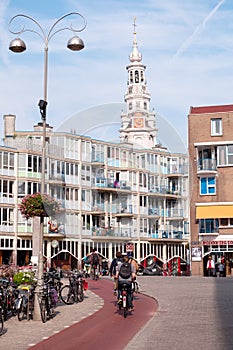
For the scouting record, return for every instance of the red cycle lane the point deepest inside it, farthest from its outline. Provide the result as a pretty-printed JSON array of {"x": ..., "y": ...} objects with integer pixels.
[{"x": 107, "y": 328}]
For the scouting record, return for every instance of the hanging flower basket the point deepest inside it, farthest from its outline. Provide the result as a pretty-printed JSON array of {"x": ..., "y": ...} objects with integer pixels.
[{"x": 38, "y": 205}]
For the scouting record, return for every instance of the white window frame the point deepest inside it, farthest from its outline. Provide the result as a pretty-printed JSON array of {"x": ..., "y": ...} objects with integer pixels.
[{"x": 216, "y": 127}]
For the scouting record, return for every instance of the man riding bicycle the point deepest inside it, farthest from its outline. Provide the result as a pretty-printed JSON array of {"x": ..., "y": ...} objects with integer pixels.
[{"x": 126, "y": 274}]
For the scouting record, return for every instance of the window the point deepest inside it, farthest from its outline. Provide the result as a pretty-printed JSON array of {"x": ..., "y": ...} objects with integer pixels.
[
  {"x": 216, "y": 127},
  {"x": 226, "y": 222},
  {"x": 208, "y": 225},
  {"x": 207, "y": 185},
  {"x": 225, "y": 155}
]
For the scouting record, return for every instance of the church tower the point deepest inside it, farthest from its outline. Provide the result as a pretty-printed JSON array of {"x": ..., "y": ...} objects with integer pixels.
[{"x": 138, "y": 123}]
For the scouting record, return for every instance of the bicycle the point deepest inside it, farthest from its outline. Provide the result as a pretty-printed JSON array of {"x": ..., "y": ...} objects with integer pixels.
[
  {"x": 1, "y": 319},
  {"x": 123, "y": 298},
  {"x": 55, "y": 281},
  {"x": 74, "y": 292},
  {"x": 25, "y": 302},
  {"x": 47, "y": 299},
  {"x": 94, "y": 273}
]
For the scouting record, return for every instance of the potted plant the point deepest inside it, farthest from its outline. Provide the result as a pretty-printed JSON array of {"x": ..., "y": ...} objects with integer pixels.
[
  {"x": 24, "y": 277},
  {"x": 38, "y": 205}
]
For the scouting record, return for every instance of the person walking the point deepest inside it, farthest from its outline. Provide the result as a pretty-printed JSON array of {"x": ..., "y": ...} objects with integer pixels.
[{"x": 210, "y": 266}]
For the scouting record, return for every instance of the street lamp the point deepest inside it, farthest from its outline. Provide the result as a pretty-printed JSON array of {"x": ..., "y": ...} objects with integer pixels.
[{"x": 17, "y": 45}]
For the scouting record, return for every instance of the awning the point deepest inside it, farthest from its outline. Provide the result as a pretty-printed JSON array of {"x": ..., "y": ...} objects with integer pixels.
[
  {"x": 214, "y": 211},
  {"x": 220, "y": 240}
]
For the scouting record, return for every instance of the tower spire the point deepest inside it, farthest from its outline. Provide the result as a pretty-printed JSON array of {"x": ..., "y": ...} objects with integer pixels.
[
  {"x": 135, "y": 55},
  {"x": 138, "y": 125}
]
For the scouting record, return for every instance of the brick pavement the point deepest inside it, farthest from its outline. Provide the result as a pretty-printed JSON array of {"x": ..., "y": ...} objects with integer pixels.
[
  {"x": 22, "y": 335},
  {"x": 194, "y": 313}
]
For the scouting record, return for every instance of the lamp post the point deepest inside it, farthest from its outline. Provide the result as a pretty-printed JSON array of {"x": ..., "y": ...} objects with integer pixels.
[{"x": 18, "y": 45}]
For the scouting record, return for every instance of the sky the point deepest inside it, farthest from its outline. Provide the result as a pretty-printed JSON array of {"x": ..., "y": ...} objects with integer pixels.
[{"x": 186, "y": 45}]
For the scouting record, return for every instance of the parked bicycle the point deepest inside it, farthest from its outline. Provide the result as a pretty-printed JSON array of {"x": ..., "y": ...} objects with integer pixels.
[
  {"x": 25, "y": 302},
  {"x": 54, "y": 280},
  {"x": 48, "y": 298},
  {"x": 8, "y": 295},
  {"x": 1, "y": 318},
  {"x": 74, "y": 292}
]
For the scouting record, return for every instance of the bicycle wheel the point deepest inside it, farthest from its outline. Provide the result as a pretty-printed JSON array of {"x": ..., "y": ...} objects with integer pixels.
[
  {"x": 80, "y": 292},
  {"x": 67, "y": 295},
  {"x": 22, "y": 311},
  {"x": 125, "y": 312},
  {"x": 43, "y": 310}
]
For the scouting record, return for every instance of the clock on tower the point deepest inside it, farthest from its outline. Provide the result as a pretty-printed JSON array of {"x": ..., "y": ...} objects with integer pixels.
[{"x": 138, "y": 122}]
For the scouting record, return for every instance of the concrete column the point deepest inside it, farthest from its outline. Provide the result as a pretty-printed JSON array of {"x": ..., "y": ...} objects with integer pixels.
[
  {"x": 35, "y": 238},
  {"x": 49, "y": 253}
]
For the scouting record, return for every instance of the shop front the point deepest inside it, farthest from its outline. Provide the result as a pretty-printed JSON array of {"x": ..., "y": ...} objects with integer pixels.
[{"x": 220, "y": 251}]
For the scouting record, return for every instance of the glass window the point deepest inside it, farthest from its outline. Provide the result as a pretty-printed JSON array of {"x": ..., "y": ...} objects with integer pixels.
[
  {"x": 216, "y": 126},
  {"x": 207, "y": 185},
  {"x": 208, "y": 225}
]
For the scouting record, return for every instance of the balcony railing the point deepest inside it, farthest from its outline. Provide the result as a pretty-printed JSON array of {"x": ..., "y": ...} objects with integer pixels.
[
  {"x": 108, "y": 183},
  {"x": 172, "y": 213},
  {"x": 168, "y": 235},
  {"x": 207, "y": 164},
  {"x": 164, "y": 190},
  {"x": 108, "y": 232},
  {"x": 153, "y": 211},
  {"x": 97, "y": 157},
  {"x": 121, "y": 209},
  {"x": 177, "y": 169}
]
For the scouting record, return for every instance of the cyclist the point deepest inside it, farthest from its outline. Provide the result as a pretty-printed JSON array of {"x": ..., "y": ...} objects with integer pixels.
[
  {"x": 113, "y": 268},
  {"x": 87, "y": 265},
  {"x": 126, "y": 274},
  {"x": 94, "y": 258}
]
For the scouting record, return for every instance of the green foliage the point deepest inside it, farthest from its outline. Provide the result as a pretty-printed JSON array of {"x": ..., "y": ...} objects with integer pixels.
[{"x": 24, "y": 277}]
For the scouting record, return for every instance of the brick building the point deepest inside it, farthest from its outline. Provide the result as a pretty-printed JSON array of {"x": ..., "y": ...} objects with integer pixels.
[{"x": 210, "y": 145}]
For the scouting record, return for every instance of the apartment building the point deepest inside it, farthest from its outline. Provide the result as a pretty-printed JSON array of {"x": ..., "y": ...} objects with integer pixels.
[
  {"x": 210, "y": 143},
  {"x": 111, "y": 193}
]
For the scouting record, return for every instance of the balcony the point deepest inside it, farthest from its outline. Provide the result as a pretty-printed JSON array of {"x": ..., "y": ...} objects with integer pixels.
[
  {"x": 164, "y": 190},
  {"x": 97, "y": 157},
  {"x": 109, "y": 183},
  {"x": 172, "y": 213},
  {"x": 153, "y": 211},
  {"x": 207, "y": 164},
  {"x": 107, "y": 232},
  {"x": 172, "y": 235},
  {"x": 121, "y": 209}
]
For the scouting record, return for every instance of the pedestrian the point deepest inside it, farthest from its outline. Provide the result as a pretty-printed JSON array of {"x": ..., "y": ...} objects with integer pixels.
[
  {"x": 210, "y": 266},
  {"x": 221, "y": 269}
]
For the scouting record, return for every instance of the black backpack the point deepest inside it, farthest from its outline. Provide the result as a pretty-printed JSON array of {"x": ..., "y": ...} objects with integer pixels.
[
  {"x": 95, "y": 259},
  {"x": 125, "y": 270}
]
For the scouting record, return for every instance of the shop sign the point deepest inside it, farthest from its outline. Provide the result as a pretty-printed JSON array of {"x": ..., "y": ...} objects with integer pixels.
[
  {"x": 129, "y": 247},
  {"x": 217, "y": 242}
]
